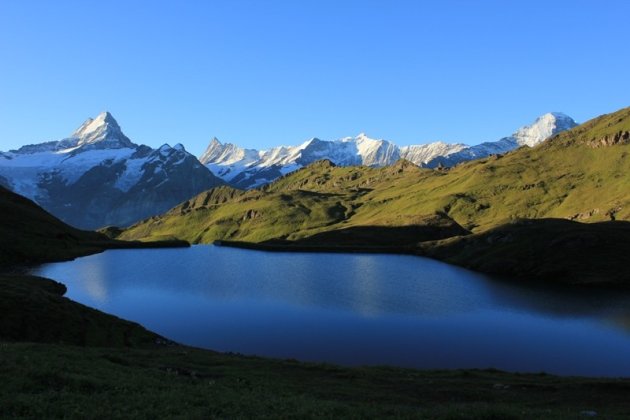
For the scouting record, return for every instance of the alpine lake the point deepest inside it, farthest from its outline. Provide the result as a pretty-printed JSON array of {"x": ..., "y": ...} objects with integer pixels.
[{"x": 355, "y": 309}]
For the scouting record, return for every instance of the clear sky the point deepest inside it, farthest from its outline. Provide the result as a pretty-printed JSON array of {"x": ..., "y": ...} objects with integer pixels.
[{"x": 264, "y": 73}]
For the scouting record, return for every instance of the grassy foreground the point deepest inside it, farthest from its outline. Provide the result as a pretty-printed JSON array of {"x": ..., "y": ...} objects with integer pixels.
[{"x": 46, "y": 380}]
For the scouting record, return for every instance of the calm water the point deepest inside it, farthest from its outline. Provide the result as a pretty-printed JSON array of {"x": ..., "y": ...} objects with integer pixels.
[{"x": 354, "y": 309}]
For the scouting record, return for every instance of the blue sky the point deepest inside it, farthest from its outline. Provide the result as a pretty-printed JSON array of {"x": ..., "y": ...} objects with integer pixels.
[{"x": 264, "y": 73}]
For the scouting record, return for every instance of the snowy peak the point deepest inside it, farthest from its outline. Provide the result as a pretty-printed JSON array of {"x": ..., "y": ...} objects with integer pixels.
[
  {"x": 376, "y": 152},
  {"x": 423, "y": 153},
  {"x": 544, "y": 127},
  {"x": 227, "y": 154},
  {"x": 102, "y": 132},
  {"x": 94, "y": 124},
  {"x": 213, "y": 152}
]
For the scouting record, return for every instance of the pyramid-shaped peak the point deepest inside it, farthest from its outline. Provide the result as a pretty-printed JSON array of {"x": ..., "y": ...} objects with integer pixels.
[
  {"x": 107, "y": 118},
  {"x": 103, "y": 132}
]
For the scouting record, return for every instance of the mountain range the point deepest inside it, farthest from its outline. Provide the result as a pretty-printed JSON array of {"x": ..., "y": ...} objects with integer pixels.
[
  {"x": 98, "y": 177},
  {"x": 250, "y": 168}
]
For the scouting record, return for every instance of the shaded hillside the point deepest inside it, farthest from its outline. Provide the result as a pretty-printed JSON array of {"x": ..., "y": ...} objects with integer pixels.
[
  {"x": 555, "y": 250},
  {"x": 34, "y": 310},
  {"x": 570, "y": 176},
  {"x": 28, "y": 234}
]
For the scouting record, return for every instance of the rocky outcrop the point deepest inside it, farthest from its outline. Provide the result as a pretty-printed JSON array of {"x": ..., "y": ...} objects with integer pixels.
[{"x": 621, "y": 137}]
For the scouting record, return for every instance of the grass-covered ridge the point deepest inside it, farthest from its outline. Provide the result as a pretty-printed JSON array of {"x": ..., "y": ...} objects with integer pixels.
[{"x": 569, "y": 176}]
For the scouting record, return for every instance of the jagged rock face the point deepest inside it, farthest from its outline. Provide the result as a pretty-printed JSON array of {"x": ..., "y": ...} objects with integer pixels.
[
  {"x": 248, "y": 168},
  {"x": 98, "y": 177}
]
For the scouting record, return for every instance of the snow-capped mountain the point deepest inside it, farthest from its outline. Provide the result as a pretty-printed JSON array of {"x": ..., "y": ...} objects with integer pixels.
[
  {"x": 98, "y": 177},
  {"x": 544, "y": 127},
  {"x": 249, "y": 168}
]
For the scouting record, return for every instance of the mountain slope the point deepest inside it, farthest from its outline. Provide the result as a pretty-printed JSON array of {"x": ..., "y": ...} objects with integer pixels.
[
  {"x": 30, "y": 235},
  {"x": 247, "y": 168},
  {"x": 98, "y": 177},
  {"x": 560, "y": 178}
]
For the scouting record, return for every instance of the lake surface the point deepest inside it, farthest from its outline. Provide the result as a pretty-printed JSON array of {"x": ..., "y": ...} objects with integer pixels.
[{"x": 354, "y": 309}]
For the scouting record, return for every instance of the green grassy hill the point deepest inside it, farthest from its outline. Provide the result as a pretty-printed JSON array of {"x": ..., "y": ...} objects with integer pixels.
[{"x": 582, "y": 174}]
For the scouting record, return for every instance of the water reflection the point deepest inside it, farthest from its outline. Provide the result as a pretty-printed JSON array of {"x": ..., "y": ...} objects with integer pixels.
[{"x": 354, "y": 309}]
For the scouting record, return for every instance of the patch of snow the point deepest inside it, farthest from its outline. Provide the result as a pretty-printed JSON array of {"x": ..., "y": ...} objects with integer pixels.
[
  {"x": 132, "y": 174},
  {"x": 75, "y": 165}
]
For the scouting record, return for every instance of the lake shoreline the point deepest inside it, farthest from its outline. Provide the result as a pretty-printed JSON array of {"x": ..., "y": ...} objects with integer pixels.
[
  {"x": 281, "y": 246},
  {"x": 583, "y": 255}
]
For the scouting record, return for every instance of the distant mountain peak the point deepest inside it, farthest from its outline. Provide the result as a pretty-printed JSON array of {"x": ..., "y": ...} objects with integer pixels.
[
  {"x": 101, "y": 132},
  {"x": 542, "y": 128}
]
